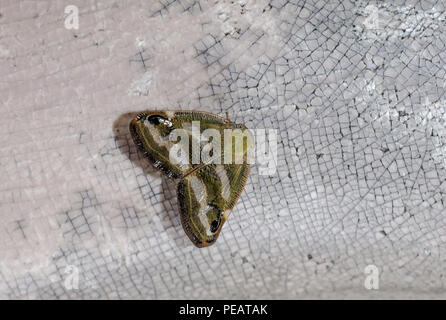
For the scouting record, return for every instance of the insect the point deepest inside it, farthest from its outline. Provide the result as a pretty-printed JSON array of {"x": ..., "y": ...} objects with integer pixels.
[{"x": 208, "y": 158}]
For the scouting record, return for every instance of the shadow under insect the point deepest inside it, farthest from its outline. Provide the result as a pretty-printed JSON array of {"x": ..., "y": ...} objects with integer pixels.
[
  {"x": 167, "y": 196},
  {"x": 207, "y": 189}
]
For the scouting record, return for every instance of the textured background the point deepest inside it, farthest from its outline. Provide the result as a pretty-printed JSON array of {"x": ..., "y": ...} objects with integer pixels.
[{"x": 354, "y": 88}]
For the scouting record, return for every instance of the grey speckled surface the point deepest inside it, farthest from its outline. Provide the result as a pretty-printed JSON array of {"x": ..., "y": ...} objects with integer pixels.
[{"x": 355, "y": 90}]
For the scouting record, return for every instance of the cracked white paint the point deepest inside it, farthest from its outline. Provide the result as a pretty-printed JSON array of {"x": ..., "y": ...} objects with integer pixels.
[
  {"x": 389, "y": 22},
  {"x": 360, "y": 114}
]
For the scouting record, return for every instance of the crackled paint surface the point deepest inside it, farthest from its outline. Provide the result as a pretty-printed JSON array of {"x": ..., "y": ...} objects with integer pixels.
[{"x": 355, "y": 89}]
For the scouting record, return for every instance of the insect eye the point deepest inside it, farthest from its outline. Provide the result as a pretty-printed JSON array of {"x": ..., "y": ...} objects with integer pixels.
[
  {"x": 156, "y": 120},
  {"x": 163, "y": 125},
  {"x": 214, "y": 225}
]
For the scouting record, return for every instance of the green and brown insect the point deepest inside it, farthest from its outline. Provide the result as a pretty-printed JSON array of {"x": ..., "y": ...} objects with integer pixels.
[{"x": 209, "y": 188}]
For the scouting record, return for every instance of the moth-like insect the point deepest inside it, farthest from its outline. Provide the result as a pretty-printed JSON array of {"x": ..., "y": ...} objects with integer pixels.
[{"x": 207, "y": 189}]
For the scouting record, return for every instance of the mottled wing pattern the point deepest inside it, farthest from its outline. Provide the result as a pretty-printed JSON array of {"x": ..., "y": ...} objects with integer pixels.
[
  {"x": 151, "y": 133},
  {"x": 207, "y": 196},
  {"x": 207, "y": 192}
]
